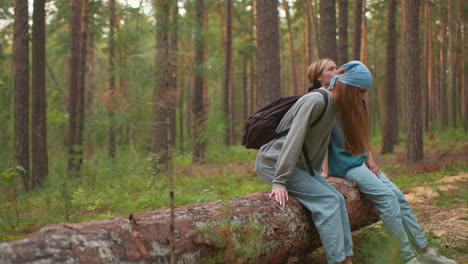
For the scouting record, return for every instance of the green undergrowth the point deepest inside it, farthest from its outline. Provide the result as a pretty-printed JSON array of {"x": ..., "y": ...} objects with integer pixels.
[{"x": 129, "y": 184}]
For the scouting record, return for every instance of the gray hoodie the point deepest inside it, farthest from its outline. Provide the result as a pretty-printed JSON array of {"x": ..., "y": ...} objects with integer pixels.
[{"x": 277, "y": 159}]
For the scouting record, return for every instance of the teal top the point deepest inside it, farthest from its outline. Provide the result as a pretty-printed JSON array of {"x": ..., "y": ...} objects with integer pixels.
[{"x": 340, "y": 161}]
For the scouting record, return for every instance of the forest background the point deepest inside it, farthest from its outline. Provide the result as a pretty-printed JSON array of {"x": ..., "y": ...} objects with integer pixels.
[{"x": 102, "y": 100}]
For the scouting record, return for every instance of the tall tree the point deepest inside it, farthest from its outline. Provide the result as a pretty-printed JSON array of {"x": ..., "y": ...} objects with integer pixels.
[
  {"x": 342, "y": 32},
  {"x": 228, "y": 92},
  {"x": 414, "y": 136},
  {"x": 111, "y": 91},
  {"x": 328, "y": 30},
  {"x": 292, "y": 57},
  {"x": 173, "y": 36},
  {"x": 82, "y": 82},
  {"x": 21, "y": 77},
  {"x": 390, "y": 125},
  {"x": 443, "y": 65},
  {"x": 268, "y": 69},
  {"x": 39, "y": 103},
  {"x": 198, "y": 97},
  {"x": 308, "y": 22},
  {"x": 73, "y": 147},
  {"x": 159, "y": 135},
  {"x": 357, "y": 30}
]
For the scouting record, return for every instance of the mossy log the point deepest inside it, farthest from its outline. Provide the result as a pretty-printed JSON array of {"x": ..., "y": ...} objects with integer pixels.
[{"x": 247, "y": 229}]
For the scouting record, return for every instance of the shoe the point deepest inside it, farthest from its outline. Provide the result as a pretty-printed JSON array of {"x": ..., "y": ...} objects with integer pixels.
[
  {"x": 433, "y": 257},
  {"x": 414, "y": 261}
]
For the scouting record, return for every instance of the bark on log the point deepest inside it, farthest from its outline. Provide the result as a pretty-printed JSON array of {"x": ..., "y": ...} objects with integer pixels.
[{"x": 246, "y": 229}]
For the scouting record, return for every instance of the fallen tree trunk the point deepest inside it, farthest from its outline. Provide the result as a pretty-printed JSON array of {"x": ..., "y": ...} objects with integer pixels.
[{"x": 246, "y": 229}]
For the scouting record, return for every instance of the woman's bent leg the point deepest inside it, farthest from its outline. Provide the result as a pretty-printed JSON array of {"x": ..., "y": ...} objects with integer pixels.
[
  {"x": 414, "y": 231},
  {"x": 326, "y": 209},
  {"x": 386, "y": 203}
]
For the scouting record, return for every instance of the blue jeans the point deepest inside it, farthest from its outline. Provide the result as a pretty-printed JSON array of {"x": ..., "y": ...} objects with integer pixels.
[
  {"x": 393, "y": 208},
  {"x": 327, "y": 207}
]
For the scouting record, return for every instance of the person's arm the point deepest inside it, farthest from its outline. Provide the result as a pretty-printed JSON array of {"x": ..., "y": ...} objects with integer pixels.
[
  {"x": 325, "y": 166},
  {"x": 370, "y": 163}
]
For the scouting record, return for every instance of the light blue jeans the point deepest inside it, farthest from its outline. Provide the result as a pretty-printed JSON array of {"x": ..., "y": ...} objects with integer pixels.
[
  {"x": 327, "y": 207},
  {"x": 393, "y": 208}
]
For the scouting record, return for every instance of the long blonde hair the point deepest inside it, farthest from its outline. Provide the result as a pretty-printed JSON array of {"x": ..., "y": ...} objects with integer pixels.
[
  {"x": 354, "y": 117},
  {"x": 314, "y": 71}
]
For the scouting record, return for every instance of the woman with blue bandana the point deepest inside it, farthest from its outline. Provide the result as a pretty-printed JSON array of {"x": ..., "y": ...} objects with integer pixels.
[
  {"x": 359, "y": 167},
  {"x": 281, "y": 163}
]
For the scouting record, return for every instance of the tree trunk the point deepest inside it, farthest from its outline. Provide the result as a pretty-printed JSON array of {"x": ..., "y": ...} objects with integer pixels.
[
  {"x": 198, "y": 97},
  {"x": 443, "y": 65},
  {"x": 357, "y": 30},
  {"x": 82, "y": 81},
  {"x": 245, "y": 229},
  {"x": 39, "y": 103},
  {"x": 111, "y": 91},
  {"x": 414, "y": 137},
  {"x": 21, "y": 77},
  {"x": 173, "y": 68},
  {"x": 343, "y": 32},
  {"x": 292, "y": 57},
  {"x": 73, "y": 147},
  {"x": 364, "y": 58},
  {"x": 228, "y": 92},
  {"x": 390, "y": 125},
  {"x": 328, "y": 29},
  {"x": 308, "y": 41},
  {"x": 268, "y": 52}
]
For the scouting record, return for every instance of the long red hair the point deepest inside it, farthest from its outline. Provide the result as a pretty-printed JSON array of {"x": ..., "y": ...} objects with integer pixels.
[{"x": 354, "y": 118}]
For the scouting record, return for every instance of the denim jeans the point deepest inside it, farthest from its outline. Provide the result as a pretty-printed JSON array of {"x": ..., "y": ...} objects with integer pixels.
[
  {"x": 393, "y": 208},
  {"x": 328, "y": 210}
]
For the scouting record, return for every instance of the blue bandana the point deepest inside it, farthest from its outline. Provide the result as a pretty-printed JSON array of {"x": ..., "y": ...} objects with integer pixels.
[{"x": 356, "y": 74}]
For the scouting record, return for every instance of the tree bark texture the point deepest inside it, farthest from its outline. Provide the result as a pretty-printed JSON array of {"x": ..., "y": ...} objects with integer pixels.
[
  {"x": 39, "y": 105},
  {"x": 111, "y": 91},
  {"x": 198, "y": 96},
  {"x": 342, "y": 32},
  {"x": 21, "y": 77},
  {"x": 73, "y": 148},
  {"x": 228, "y": 81},
  {"x": 328, "y": 29},
  {"x": 82, "y": 76},
  {"x": 390, "y": 124},
  {"x": 268, "y": 78},
  {"x": 292, "y": 57},
  {"x": 357, "y": 30},
  {"x": 246, "y": 229},
  {"x": 414, "y": 137}
]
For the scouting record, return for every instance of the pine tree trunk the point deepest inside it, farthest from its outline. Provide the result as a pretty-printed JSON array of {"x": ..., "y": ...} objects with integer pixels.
[
  {"x": 328, "y": 30},
  {"x": 228, "y": 92},
  {"x": 21, "y": 78},
  {"x": 292, "y": 57},
  {"x": 82, "y": 82},
  {"x": 199, "y": 99},
  {"x": 390, "y": 125},
  {"x": 414, "y": 139},
  {"x": 173, "y": 62},
  {"x": 363, "y": 53},
  {"x": 246, "y": 229},
  {"x": 39, "y": 98},
  {"x": 357, "y": 30},
  {"x": 73, "y": 147},
  {"x": 443, "y": 65},
  {"x": 268, "y": 80},
  {"x": 111, "y": 92},
  {"x": 343, "y": 32},
  {"x": 308, "y": 41}
]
